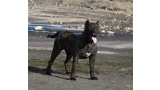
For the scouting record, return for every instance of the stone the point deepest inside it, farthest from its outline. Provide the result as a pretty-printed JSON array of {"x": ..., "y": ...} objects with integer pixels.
[
  {"x": 103, "y": 31},
  {"x": 129, "y": 86},
  {"x": 61, "y": 23},
  {"x": 38, "y": 28}
]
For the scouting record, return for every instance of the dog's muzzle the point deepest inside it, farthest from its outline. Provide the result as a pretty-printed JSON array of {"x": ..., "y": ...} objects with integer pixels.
[
  {"x": 94, "y": 34},
  {"x": 94, "y": 38}
]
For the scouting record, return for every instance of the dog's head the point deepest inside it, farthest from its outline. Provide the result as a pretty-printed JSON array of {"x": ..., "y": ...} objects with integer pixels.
[{"x": 91, "y": 31}]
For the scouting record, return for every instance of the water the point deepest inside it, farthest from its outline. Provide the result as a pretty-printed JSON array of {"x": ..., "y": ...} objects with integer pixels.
[
  {"x": 46, "y": 28},
  {"x": 53, "y": 28}
]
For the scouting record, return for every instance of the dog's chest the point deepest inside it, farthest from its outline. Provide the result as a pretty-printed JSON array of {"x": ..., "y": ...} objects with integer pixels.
[
  {"x": 87, "y": 51},
  {"x": 90, "y": 48}
]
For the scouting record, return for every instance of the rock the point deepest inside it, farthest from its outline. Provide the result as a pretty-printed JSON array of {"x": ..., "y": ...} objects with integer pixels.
[
  {"x": 103, "y": 31},
  {"x": 82, "y": 26},
  {"x": 127, "y": 29},
  {"x": 104, "y": 7},
  {"x": 55, "y": 4},
  {"x": 110, "y": 28},
  {"x": 92, "y": 7},
  {"x": 123, "y": 69},
  {"x": 50, "y": 22},
  {"x": 102, "y": 27},
  {"x": 106, "y": 26},
  {"x": 129, "y": 86},
  {"x": 60, "y": 23},
  {"x": 110, "y": 33},
  {"x": 70, "y": 26},
  {"x": 66, "y": 5},
  {"x": 114, "y": 19},
  {"x": 38, "y": 28},
  {"x": 116, "y": 27}
]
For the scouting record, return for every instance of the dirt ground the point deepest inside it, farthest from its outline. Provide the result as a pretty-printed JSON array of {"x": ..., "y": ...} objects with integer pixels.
[{"x": 114, "y": 61}]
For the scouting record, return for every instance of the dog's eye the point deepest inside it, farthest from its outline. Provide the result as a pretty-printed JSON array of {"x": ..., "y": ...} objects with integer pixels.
[{"x": 91, "y": 27}]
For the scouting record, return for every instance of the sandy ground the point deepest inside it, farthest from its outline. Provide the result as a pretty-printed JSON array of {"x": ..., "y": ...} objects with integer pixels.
[{"x": 114, "y": 61}]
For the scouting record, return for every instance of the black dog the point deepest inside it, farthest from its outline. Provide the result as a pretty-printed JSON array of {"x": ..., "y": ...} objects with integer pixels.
[{"x": 79, "y": 46}]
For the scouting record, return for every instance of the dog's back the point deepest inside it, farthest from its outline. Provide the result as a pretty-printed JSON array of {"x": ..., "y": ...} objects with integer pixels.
[
  {"x": 62, "y": 34},
  {"x": 65, "y": 38}
]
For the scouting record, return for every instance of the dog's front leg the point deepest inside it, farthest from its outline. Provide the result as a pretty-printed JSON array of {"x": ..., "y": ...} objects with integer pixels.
[
  {"x": 75, "y": 57},
  {"x": 91, "y": 62}
]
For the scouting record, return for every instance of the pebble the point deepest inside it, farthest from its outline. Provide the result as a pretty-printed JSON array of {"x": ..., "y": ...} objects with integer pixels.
[
  {"x": 110, "y": 32},
  {"x": 129, "y": 86},
  {"x": 122, "y": 69},
  {"x": 70, "y": 26},
  {"x": 103, "y": 31},
  {"x": 60, "y": 23},
  {"x": 38, "y": 28},
  {"x": 50, "y": 22},
  {"x": 114, "y": 19}
]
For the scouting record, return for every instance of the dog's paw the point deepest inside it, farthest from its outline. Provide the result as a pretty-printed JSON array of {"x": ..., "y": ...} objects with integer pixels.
[
  {"x": 68, "y": 72},
  {"x": 48, "y": 73},
  {"x": 94, "y": 78},
  {"x": 73, "y": 78}
]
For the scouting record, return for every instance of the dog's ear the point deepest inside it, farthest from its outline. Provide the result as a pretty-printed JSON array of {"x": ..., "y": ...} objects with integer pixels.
[
  {"x": 97, "y": 23},
  {"x": 87, "y": 23}
]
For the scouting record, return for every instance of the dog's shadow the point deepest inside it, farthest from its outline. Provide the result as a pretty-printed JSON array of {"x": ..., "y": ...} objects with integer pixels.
[{"x": 43, "y": 72}]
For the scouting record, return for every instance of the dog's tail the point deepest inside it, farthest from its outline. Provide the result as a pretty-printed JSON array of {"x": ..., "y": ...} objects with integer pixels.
[{"x": 53, "y": 36}]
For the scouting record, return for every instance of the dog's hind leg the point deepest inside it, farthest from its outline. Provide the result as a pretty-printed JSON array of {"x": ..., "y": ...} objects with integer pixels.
[
  {"x": 55, "y": 52},
  {"x": 91, "y": 62},
  {"x": 68, "y": 58},
  {"x": 75, "y": 58}
]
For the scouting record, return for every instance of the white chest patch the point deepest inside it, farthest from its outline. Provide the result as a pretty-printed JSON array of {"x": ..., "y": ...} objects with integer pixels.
[
  {"x": 88, "y": 54},
  {"x": 94, "y": 39}
]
